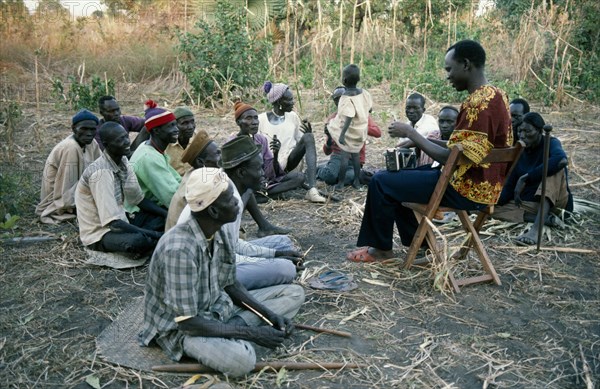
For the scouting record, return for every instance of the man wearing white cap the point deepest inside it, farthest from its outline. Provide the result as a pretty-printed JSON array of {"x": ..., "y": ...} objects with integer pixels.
[{"x": 194, "y": 305}]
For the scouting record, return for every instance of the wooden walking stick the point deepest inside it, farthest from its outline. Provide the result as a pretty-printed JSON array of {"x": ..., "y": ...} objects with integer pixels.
[
  {"x": 275, "y": 365},
  {"x": 300, "y": 326},
  {"x": 542, "y": 222},
  {"x": 323, "y": 330}
]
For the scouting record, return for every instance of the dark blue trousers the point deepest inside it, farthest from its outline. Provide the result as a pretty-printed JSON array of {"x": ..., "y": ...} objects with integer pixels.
[{"x": 387, "y": 190}]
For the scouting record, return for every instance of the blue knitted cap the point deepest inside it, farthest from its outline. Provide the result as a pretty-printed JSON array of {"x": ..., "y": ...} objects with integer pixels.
[{"x": 84, "y": 114}]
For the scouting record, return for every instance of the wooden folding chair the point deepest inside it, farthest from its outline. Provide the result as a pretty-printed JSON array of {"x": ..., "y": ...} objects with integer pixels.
[{"x": 426, "y": 211}]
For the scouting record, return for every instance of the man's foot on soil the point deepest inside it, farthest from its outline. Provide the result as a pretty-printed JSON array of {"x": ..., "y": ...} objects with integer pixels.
[
  {"x": 273, "y": 230},
  {"x": 338, "y": 187},
  {"x": 527, "y": 239},
  {"x": 314, "y": 197},
  {"x": 356, "y": 184}
]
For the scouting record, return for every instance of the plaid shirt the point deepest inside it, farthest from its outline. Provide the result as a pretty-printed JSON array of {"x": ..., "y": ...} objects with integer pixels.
[{"x": 186, "y": 279}]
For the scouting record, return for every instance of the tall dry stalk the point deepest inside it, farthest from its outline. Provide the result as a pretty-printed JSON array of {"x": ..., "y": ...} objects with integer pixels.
[
  {"x": 341, "y": 42},
  {"x": 287, "y": 35},
  {"x": 319, "y": 49},
  {"x": 366, "y": 25},
  {"x": 295, "y": 43},
  {"x": 394, "y": 38},
  {"x": 353, "y": 31},
  {"x": 531, "y": 45},
  {"x": 449, "y": 23}
]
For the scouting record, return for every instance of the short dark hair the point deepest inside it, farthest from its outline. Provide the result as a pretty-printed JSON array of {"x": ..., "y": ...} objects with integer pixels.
[
  {"x": 106, "y": 130},
  {"x": 469, "y": 49},
  {"x": 450, "y": 107},
  {"x": 102, "y": 99},
  {"x": 417, "y": 96},
  {"x": 353, "y": 74},
  {"x": 535, "y": 119},
  {"x": 523, "y": 102}
]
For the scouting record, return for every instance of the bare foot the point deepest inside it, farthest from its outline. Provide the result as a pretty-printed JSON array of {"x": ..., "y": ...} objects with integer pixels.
[
  {"x": 356, "y": 184},
  {"x": 272, "y": 230},
  {"x": 339, "y": 186},
  {"x": 527, "y": 239}
]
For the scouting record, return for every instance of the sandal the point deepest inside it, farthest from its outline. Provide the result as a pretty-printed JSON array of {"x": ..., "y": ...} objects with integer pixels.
[{"x": 333, "y": 280}]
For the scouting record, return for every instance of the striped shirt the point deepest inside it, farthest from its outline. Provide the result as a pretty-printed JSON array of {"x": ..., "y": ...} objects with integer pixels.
[
  {"x": 103, "y": 189},
  {"x": 186, "y": 278}
]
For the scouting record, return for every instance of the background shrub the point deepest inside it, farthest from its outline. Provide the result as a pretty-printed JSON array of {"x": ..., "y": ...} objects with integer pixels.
[{"x": 222, "y": 56}]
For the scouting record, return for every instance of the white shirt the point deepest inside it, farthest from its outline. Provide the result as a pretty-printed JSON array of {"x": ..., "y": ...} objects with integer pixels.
[{"x": 287, "y": 132}]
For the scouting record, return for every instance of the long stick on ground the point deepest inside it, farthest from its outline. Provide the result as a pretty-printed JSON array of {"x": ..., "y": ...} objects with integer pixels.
[
  {"x": 542, "y": 221},
  {"x": 323, "y": 330},
  {"x": 551, "y": 248},
  {"x": 276, "y": 365}
]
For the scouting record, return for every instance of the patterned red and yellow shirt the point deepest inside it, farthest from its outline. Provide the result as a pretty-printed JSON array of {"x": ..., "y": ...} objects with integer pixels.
[{"x": 483, "y": 123}]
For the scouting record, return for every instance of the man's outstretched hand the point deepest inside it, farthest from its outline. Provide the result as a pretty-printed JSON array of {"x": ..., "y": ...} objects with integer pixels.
[
  {"x": 306, "y": 127},
  {"x": 399, "y": 130}
]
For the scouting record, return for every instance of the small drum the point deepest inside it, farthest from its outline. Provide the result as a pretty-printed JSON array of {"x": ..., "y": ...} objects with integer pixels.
[{"x": 400, "y": 158}]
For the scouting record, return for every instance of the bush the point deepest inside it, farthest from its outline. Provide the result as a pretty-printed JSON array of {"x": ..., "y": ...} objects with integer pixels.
[
  {"x": 82, "y": 95},
  {"x": 221, "y": 56}
]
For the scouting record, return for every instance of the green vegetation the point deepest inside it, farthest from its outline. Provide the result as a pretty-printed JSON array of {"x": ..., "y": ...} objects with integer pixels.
[
  {"x": 80, "y": 94},
  {"x": 222, "y": 56},
  {"x": 10, "y": 116}
]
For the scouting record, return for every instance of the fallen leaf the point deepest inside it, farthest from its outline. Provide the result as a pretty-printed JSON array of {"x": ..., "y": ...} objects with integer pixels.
[
  {"x": 196, "y": 377},
  {"x": 504, "y": 335},
  {"x": 360, "y": 311},
  {"x": 375, "y": 282},
  {"x": 93, "y": 381},
  {"x": 281, "y": 377}
]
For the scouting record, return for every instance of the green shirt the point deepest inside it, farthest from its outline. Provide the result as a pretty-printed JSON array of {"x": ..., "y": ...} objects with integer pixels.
[{"x": 158, "y": 180}]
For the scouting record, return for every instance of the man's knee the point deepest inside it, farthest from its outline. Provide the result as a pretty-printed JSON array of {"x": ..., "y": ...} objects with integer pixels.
[
  {"x": 297, "y": 178},
  {"x": 232, "y": 357},
  {"x": 327, "y": 174},
  {"x": 239, "y": 361},
  {"x": 295, "y": 296},
  {"x": 283, "y": 271}
]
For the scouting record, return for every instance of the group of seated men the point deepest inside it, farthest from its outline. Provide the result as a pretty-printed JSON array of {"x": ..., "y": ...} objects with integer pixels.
[{"x": 174, "y": 193}]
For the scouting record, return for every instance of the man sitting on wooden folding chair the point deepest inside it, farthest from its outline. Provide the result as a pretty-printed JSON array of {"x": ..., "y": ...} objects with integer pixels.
[{"x": 483, "y": 124}]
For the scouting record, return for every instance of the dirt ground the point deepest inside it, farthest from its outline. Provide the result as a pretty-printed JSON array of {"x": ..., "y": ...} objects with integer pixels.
[{"x": 539, "y": 329}]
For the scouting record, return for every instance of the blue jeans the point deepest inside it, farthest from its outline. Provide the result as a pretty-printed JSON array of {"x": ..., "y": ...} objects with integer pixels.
[
  {"x": 256, "y": 273},
  {"x": 329, "y": 171}
]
